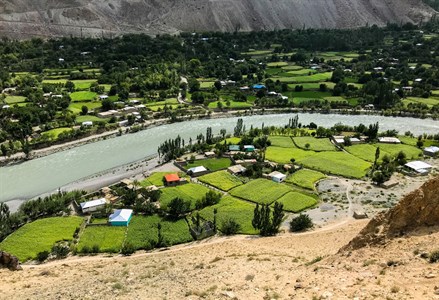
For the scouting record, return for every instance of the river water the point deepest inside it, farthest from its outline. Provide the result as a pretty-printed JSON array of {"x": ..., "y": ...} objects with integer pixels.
[{"x": 46, "y": 174}]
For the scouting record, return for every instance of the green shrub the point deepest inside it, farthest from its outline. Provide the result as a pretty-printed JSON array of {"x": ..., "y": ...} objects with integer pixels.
[
  {"x": 128, "y": 249},
  {"x": 434, "y": 256},
  {"x": 42, "y": 256},
  {"x": 300, "y": 223},
  {"x": 230, "y": 226},
  {"x": 60, "y": 250},
  {"x": 95, "y": 248}
]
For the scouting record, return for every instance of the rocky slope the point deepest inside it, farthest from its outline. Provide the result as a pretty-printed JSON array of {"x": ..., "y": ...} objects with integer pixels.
[
  {"x": 46, "y": 18},
  {"x": 416, "y": 210}
]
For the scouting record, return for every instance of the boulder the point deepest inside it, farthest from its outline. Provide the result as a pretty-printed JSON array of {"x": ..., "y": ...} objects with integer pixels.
[{"x": 9, "y": 261}]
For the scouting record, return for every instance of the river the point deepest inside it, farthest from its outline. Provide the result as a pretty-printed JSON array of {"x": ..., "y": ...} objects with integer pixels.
[{"x": 47, "y": 174}]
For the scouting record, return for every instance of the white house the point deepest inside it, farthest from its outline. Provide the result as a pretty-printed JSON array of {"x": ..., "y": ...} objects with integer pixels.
[
  {"x": 93, "y": 205},
  {"x": 236, "y": 169},
  {"x": 87, "y": 123},
  {"x": 389, "y": 140},
  {"x": 103, "y": 97},
  {"x": 197, "y": 170},
  {"x": 432, "y": 151},
  {"x": 419, "y": 167},
  {"x": 277, "y": 176}
]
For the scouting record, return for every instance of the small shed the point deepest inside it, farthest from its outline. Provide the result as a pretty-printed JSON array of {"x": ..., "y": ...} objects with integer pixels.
[
  {"x": 277, "y": 176},
  {"x": 236, "y": 169},
  {"x": 249, "y": 148},
  {"x": 197, "y": 171},
  {"x": 120, "y": 217},
  {"x": 259, "y": 87},
  {"x": 359, "y": 214},
  {"x": 94, "y": 205},
  {"x": 432, "y": 151},
  {"x": 389, "y": 140},
  {"x": 87, "y": 123},
  {"x": 172, "y": 179},
  {"x": 103, "y": 97},
  {"x": 419, "y": 167},
  {"x": 209, "y": 154},
  {"x": 234, "y": 148}
]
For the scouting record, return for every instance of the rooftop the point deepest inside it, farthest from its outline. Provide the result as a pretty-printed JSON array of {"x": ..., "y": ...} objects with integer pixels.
[
  {"x": 172, "y": 177},
  {"x": 121, "y": 215},
  {"x": 93, "y": 203}
]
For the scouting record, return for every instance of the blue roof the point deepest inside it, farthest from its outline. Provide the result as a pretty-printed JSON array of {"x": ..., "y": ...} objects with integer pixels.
[
  {"x": 234, "y": 147},
  {"x": 259, "y": 86}
]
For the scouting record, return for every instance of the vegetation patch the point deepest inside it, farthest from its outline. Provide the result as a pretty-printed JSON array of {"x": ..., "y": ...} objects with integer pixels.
[
  {"x": 316, "y": 144},
  {"x": 54, "y": 133},
  {"x": 80, "y": 119},
  {"x": 305, "y": 178},
  {"x": 83, "y": 96},
  {"x": 281, "y": 141},
  {"x": 189, "y": 192},
  {"x": 222, "y": 180},
  {"x": 156, "y": 178},
  {"x": 14, "y": 99},
  {"x": 410, "y": 151},
  {"x": 76, "y": 107},
  {"x": 261, "y": 191},
  {"x": 39, "y": 236},
  {"x": 102, "y": 239},
  {"x": 212, "y": 164},
  {"x": 366, "y": 152},
  {"x": 295, "y": 201},
  {"x": 284, "y": 155}
]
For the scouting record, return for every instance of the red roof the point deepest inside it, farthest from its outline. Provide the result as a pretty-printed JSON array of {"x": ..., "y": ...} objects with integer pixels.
[{"x": 172, "y": 177}]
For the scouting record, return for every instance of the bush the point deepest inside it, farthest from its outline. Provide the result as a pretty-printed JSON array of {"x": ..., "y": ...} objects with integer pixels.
[
  {"x": 434, "y": 256},
  {"x": 230, "y": 226},
  {"x": 95, "y": 248},
  {"x": 300, "y": 223},
  {"x": 128, "y": 249},
  {"x": 60, "y": 250},
  {"x": 42, "y": 256}
]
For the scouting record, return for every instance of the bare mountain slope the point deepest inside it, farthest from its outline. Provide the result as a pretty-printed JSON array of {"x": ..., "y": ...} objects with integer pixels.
[{"x": 24, "y": 18}]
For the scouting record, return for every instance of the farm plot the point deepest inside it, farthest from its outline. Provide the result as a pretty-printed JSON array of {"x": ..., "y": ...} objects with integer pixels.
[
  {"x": 295, "y": 201},
  {"x": 39, "y": 236},
  {"x": 261, "y": 191},
  {"x": 284, "y": 155},
  {"x": 222, "y": 180},
  {"x": 106, "y": 238},
  {"x": 83, "y": 96},
  {"x": 83, "y": 84},
  {"x": 338, "y": 163},
  {"x": 53, "y": 134},
  {"x": 156, "y": 178},
  {"x": 76, "y": 107},
  {"x": 305, "y": 178},
  {"x": 281, "y": 141},
  {"x": 142, "y": 231},
  {"x": 366, "y": 152},
  {"x": 80, "y": 119},
  {"x": 230, "y": 207},
  {"x": 213, "y": 164},
  {"x": 312, "y": 78},
  {"x": 188, "y": 192},
  {"x": 410, "y": 151},
  {"x": 277, "y": 64},
  {"x": 321, "y": 144},
  {"x": 14, "y": 99}
]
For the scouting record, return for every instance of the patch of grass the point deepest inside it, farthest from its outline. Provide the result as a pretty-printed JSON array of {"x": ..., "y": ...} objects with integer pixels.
[
  {"x": 305, "y": 178},
  {"x": 410, "y": 151},
  {"x": 292, "y": 68},
  {"x": 281, "y": 141},
  {"x": 429, "y": 101},
  {"x": 315, "y": 144},
  {"x": 312, "y": 85},
  {"x": 310, "y": 78},
  {"x": 284, "y": 155},
  {"x": 233, "y": 140},
  {"x": 143, "y": 229},
  {"x": 189, "y": 192},
  {"x": 233, "y": 104},
  {"x": 261, "y": 191},
  {"x": 83, "y": 84},
  {"x": 39, "y": 236},
  {"x": 107, "y": 238},
  {"x": 156, "y": 178},
  {"x": 296, "y": 202},
  {"x": 212, "y": 164},
  {"x": 54, "y": 133},
  {"x": 257, "y": 52},
  {"x": 83, "y": 96},
  {"x": 206, "y": 84},
  {"x": 366, "y": 152},
  {"x": 338, "y": 163},
  {"x": 80, "y": 119},
  {"x": 277, "y": 64},
  {"x": 14, "y": 99},
  {"x": 222, "y": 180},
  {"x": 76, "y": 107}
]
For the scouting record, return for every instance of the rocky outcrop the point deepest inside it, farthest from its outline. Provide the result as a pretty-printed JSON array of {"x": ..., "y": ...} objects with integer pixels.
[
  {"x": 418, "y": 209},
  {"x": 9, "y": 261},
  {"x": 49, "y": 18}
]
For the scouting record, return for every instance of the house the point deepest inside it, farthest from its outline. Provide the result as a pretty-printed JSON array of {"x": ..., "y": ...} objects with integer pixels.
[
  {"x": 107, "y": 114},
  {"x": 338, "y": 139},
  {"x": 236, "y": 169},
  {"x": 94, "y": 205},
  {"x": 419, "y": 167},
  {"x": 369, "y": 106},
  {"x": 389, "y": 140},
  {"x": 272, "y": 94},
  {"x": 123, "y": 123},
  {"x": 244, "y": 88},
  {"x": 103, "y": 97},
  {"x": 259, "y": 87},
  {"x": 120, "y": 217},
  {"x": 234, "y": 148},
  {"x": 172, "y": 179},
  {"x": 277, "y": 176},
  {"x": 249, "y": 148},
  {"x": 359, "y": 214},
  {"x": 87, "y": 123},
  {"x": 197, "y": 171},
  {"x": 432, "y": 151},
  {"x": 418, "y": 80},
  {"x": 209, "y": 154},
  {"x": 355, "y": 141}
]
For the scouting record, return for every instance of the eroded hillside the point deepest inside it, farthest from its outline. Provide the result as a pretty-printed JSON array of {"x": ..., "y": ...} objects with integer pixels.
[{"x": 25, "y": 18}]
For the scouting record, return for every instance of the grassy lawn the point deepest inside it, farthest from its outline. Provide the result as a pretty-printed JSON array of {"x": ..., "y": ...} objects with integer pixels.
[
  {"x": 156, "y": 178},
  {"x": 76, "y": 107},
  {"x": 292, "y": 68},
  {"x": 143, "y": 229},
  {"x": 316, "y": 144},
  {"x": 188, "y": 192},
  {"x": 305, "y": 178},
  {"x": 366, "y": 152},
  {"x": 281, "y": 141},
  {"x": 261, "y": 191},
  {"x": 301, "y": 72},
  {"x": 212, "y": 164},
  {"x": 83, "y": 96},
  {"x": 277, "y": 64},
  {"x": 233, "y": 140},
  {"x": 161, "y": 107},
  {"x": 54, "y": 133},
  {"x": 230, "y": 207},
  {"x": 222, "y": 180},
  {"x": 284, "y": 155},
  {"x": 14, "y": 99},
  {"x": 257, "y": 52},
  {"x": 80, "y": 119},
  {"x": 312, "y": 85},
  {"x": 108, "y": 238},
  {"x": 295, "y": 201},
  {"x": 206, "y": 84},
  {"x": 83, "y": 84},
  {"x": 410, "y": 151},
  {"x": 338, "y": 163},
  {"x": 41, "y": 235},
  {"x": 312, "y": 78},
  {"x": 233, "y": 104},
  {"x": 55, "y": 81}
]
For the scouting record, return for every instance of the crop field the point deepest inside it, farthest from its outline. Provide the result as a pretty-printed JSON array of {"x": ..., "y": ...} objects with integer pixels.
[
  {"x": 76, "y": 107},
  {"x": 107, "y": 238},
  {"x": 257, "y": 52},
  {"x": 305, "y": 178},
  {"x": 366, "y": 152},
  {"x": 54, "y": 133},
  {"x": 206, "y": 84},
  {"x": 83, "y": 96},
  {"x": 83, "y": 84},
  {"x": 281, "y": 141},
  {"x": 233, "y": 140},
  {"x": 410, "y": 151},
  {"x": 312, "y": 78},
  {"x": 262, "y": 191},
  {"x": 55, "y": 81},
  {"x": 412, "y": 141},
  {"x": 316, "y": 144},
  {"x": 222, "y": 180},
  {"x": 161, "y": 107},
  {"x": 284, "y": 155},
  {"x": 143, "y": 229},
  {"x": 277, "y": 64},
  {"x": 156, "y": 178},
  {"x": 212, "y": 164},
  {"x": 301, "y": 72},
  {"x": 292, "y": 68},
  {"x": 233, "y": 104},
  {"x": 295, "y": 201},
  {"x": 428, "y": 101},
  {"x": 311, "y": 85},
  {"x": 40, "y": 235},
  {"x": 14, "y": 99},
  {"x": 230, "y": 207},
  {"x": 80, "y": 119},
  {"x": 338, "y": 163},
  {"x": 188, "y": 192}
]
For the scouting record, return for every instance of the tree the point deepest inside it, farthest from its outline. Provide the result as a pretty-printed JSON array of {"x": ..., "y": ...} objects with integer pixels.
[
  {"x": 377, "y": 155},
  {"x": 300, "y": 223},
  {"x": 265, "y": 221},
  {"x": 218, "y": 85},
  {"x": 211, "y": 198},
  {"x": 347, "y": 141},
  {"x": 229, "y": 226},
  {"x": 378, "y": 177},
  {"x": 307, "y": 145},
  {"x": 84, "y": 110},
  {"x": 70, "y": 86},
  {"x": 177, "y": 207}
]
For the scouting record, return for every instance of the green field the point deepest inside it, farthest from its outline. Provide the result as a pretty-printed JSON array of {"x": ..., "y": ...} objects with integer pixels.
[
  {"x": 262, "y": 191},
  {"x": 107, "y": 238},
  {"x": 257, "y": 52},
  {"x": 338, "y": 163},
  {"x": 212, "y": 164},
  {"x": 76, "y": 107},
  {"x": 312, "y": 85},
  {"x": 14, "y": 99},
  {"x": 233, "y": 140},
  {"x": 83, "y": 84},
  {"x": 292, "y": 68},
  {"x": 312, "y": 78},
  {"x": 188, "y": 192},
  {"x": 206, "y": 84},
  {"x": 281, "y": 141},
  {"x": 284, "y": 155},
  {"x": 410, "y": 151},
  {"x": 143, "y": 229},
  {"x": 305, "y": 178},
  {"x": 83, "y": 96},
  {"x": 301, "y": 72},
  {"x": 54, "y": 133},
  {"x": 230, "y": 207},
  {"x": 295, "y": 201},
  {"x": 233, "y": 104},
  {"x": 80, "y": 119},
  {"x": 277, "y": 64},
  {"x": 366, "y": 152},
  {"x": 222, "y": 180},
  {"x": 41, "y": 235},
  {"x": 156, "y": 178},
  {"x": 315, "y": 144}
]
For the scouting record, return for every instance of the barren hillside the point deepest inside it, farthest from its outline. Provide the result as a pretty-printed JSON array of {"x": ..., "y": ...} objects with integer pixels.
[{"x": 24, "y": 18}]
